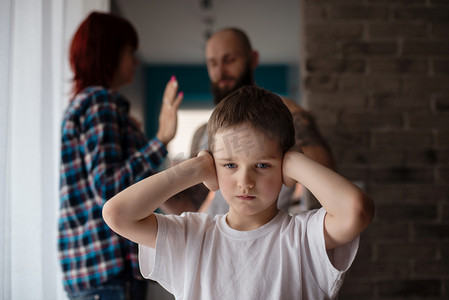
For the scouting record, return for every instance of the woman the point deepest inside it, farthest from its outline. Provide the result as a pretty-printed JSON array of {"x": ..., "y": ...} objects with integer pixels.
[{"x": 103, "y": 151}]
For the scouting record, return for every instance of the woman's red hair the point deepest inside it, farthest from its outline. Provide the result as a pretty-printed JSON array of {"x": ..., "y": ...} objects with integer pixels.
[{"x": 96, "y": 49}]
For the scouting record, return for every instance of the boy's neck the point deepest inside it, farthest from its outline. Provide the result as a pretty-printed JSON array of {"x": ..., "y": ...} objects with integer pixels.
[{"x": 245, "y": 223}]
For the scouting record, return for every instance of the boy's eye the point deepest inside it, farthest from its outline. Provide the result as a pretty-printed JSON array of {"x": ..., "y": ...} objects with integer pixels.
[
  {"x": 230, "y": 166},
  {"x": 262, "y": 165}
]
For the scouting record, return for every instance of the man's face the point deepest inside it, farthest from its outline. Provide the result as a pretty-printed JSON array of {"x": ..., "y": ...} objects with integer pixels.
[{"x": 228, "y": 64}]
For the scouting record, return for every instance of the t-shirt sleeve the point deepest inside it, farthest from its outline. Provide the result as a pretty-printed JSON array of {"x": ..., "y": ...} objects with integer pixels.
[
  {"x": 177, "y": 246},
  {"x": 327, "y": 267}
]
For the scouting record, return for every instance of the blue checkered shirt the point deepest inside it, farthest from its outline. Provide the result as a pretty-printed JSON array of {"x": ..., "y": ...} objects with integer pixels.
[{"x": 102, "y": 152}]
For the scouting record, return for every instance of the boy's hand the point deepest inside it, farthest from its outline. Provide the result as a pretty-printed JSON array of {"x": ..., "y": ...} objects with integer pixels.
[
  {"x": 210, "y": 175},
  {"x": 286, "y": 177}
]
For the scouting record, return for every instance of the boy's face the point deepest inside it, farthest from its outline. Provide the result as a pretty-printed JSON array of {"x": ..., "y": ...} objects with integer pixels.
[{"x": 249, "y": 171}]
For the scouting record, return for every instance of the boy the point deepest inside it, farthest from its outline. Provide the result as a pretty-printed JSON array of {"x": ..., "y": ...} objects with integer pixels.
[{"x": 254, "y": 251}]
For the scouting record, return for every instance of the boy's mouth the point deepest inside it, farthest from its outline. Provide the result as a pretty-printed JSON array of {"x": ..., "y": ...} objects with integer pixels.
[{"x": 246, "y": 197}]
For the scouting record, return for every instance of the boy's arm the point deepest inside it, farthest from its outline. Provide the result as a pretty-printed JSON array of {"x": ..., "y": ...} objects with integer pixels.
[
  {"x": 349, "y": 210},
  {"x": 191, "y": 199},
  {"x": 130, "y": 212}
]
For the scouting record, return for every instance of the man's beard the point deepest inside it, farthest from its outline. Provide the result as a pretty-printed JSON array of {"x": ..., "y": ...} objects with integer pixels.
[{"x": 245, "y": 79}]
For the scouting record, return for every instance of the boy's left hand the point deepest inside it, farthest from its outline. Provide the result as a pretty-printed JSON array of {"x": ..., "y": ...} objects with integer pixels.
[{"x": 286, "y": 177}]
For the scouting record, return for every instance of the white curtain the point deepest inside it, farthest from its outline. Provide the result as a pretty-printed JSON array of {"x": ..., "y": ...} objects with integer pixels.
[{"x": 34, "y": 85}]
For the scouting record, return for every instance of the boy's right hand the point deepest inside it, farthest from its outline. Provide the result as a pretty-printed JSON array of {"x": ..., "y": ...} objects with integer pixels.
[{"x": 210, "y": 174}]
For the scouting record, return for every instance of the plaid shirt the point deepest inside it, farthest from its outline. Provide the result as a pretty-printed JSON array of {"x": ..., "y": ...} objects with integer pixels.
[{"x": 102, "y": 153}]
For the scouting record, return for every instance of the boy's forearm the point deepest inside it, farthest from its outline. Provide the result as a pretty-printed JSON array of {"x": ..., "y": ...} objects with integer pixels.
[
  {"x": 338, "y": 196},
  {"x": 140, "y": 200}
]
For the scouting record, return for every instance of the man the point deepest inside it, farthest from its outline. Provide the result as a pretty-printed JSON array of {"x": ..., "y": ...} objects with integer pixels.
[{"x": 231, "y": 62}]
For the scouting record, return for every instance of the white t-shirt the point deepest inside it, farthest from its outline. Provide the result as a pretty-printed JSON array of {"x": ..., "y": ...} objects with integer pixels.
[{"x": 197, "y": 257}]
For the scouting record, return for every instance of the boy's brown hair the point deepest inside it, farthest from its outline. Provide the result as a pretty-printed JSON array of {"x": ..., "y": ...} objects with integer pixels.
[{"x": 257, "y": 108}]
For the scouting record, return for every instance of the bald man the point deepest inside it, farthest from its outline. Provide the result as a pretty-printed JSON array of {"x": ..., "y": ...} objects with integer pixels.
[{"x": 231, "y": 62}]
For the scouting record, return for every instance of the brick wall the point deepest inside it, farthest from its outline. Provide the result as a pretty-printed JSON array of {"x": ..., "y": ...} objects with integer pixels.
[{"x": 376, "y": 75}]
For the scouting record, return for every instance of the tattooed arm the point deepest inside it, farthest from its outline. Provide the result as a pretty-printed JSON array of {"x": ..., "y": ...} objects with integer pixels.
[
  {"x": 308, "y": 136},
  {"x": 313, "y": 145}
]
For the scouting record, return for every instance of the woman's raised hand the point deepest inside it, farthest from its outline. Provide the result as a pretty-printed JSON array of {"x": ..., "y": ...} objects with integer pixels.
[{"x": 168, "y": 117}]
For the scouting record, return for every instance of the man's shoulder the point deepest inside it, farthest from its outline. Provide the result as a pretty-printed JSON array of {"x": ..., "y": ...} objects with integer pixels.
[{"x": 294, "y": 107}]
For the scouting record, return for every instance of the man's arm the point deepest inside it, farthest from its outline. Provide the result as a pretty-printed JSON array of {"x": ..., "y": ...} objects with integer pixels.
[
  {"x": 308, "y": 137},
  {"x": 130, "y": 212},
  {"x": 349, "y": 209}
]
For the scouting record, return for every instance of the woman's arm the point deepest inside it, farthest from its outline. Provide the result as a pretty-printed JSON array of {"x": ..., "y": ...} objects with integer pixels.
[
  {"x": 349, "y": 209},
  {"x": 130, "y": 213},
  {"x": 116, "y": 156}
]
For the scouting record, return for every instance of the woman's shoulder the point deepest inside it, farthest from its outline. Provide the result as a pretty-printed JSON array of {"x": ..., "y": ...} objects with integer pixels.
[
  {"x": 92, "y": 94},
  {"x": 97, "y": 95}
]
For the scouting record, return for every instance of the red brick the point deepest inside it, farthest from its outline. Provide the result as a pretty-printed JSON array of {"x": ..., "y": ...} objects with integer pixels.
[
  {"x": 402, "y": 174},
  {"x": 413, "y": 213},
  {"x": 367, "y": 84},
  {"x": 336, "y": 101},
  {"x": 395, "y": 30},
  {"x": 356, "y": 289},
  {"x": 400, "y": 251},
  {"x": 427, "y": 193},
  {"x": 363, "y": 156},
  {"x": 325, "y": 117},
  {"x": 386, "y": 157},
  {"x": 426, "y": 48},
  {"x": 371, "y": 121},
  {"x": 392, "y": 269},
  {"x": 322, "y": 48},
  {"x": 443, "y": 174},
  {"x": 403, "y": 139},
  {"x": 410, "y": 288},
  {"x": 421, "y": 13},
  {"x": 335, "y": 65},
  {"x": 354, "y": 173},
  {"x": 369, "y": 48},
  {"x": 429, "y": 156},
  {"x": 397, "y": 2},
  {"x": 441, "y": 66},
  {"x": 387, "y": 231},
  {"x": 334, "y": 31},
  {"x": 314, "y": 12},
  {"x": 442, "y": 103},
  {"x": 347, "y": 139},
  {"x": 440, "y": 29},
  {"x": 397, "y": 66},
  {"x": 431, "y": 232},
  {"x": 354, "y": 12},
  {"x": 432, "y": 268},
  {"x": 429, "y": 120},
  {"x": 445, "y": 216},
  {"x": 443, "y": 138},
  {"x": 321, "y": 82},
  {"x": 444, "y": 250},
  {"x": 393, "y": 102},
  {"x": 432, "y": 84},
  {"x": 408, "y": 194}
]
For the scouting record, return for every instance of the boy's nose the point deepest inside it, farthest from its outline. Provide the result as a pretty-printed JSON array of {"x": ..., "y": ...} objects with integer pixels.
[{"x": 245, "y": 183}]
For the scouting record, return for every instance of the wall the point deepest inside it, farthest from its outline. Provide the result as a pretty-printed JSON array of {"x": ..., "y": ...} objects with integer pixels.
[{"x": 376, "y": 75}]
